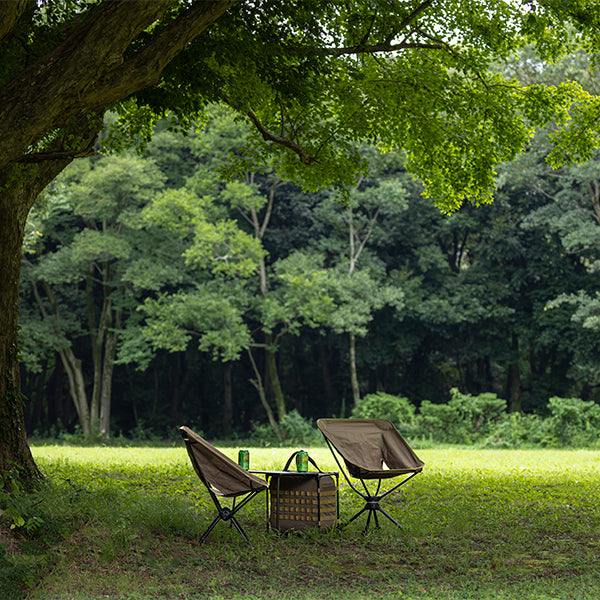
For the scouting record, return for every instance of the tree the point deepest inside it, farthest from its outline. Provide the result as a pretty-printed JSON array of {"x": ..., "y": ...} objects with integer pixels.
[
  {"x": 99, "y": 257},
  {"x": 358, "y": 293},
  {"x": 249, "y": 302},
  {"x": 312, "y": 76},
  {"x": 63, "y": 64}
]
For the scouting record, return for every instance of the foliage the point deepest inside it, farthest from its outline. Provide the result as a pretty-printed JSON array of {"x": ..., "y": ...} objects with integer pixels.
[
  {"x": 399, "y": 410},
  {"x": 298, "y": 430},
  {"x": 315, "y": 79},
  {"x": 295, "y": 429},
  {"x": 573, "y": 422},
  {"x": 482, "y": 420},
  {"x": 519, "y": 430},
  {"x": 483, "y": 300},
  {"x": 463, "y": 419},
  {"x": 18, "y": 506}
]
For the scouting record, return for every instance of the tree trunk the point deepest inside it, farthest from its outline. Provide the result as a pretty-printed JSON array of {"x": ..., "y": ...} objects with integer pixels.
[
  {"x": 273, "y": 375},
  {"x": 97, "y": 330},
  {"x": 260, "y": 388},
  {"x": 353, "y": 373},
  {"x": 16, "y": 461},
  {"x": 108, "y": 365},
  {"x": 227, "y": 399},
  {"x": 72, "y": 366}
]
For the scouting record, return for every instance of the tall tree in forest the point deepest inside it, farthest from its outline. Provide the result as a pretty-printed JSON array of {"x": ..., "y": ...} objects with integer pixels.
[
  {"x": 250, "y": 301},
  {"x": 291, "y": 68},
  {"x": 95, "y": 260},
  {"x": 359, "y": 291}
]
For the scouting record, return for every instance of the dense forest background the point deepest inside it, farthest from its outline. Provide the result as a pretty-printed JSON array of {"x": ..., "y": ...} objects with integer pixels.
[{"x": 190, "y": 283}]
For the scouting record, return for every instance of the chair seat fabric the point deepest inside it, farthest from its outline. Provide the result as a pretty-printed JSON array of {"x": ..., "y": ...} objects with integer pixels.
[
  {"x": 224, "y": 476},
  {"x": 371, "y": 448}
]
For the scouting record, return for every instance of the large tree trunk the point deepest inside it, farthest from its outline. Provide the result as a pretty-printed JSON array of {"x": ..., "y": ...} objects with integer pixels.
[
  {"x": 19, "y": 188},
  {"x": 20, "y": 185},
  {"x": 14, "y": 451}
]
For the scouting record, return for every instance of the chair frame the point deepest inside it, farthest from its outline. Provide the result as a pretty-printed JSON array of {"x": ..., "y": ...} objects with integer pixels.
[
  {"x": 225, "y": 513},
  {"x": 372, "y": 498}
]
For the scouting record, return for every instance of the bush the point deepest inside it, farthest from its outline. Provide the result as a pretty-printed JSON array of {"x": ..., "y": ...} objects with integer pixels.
[
  {"x": 463, "y": 420},
  {"x": 298, "y": 430},
  {"x": 573, "y": 422},
  {"x": 517, "y": 430},
  {"x": 294, "y": 428},
  {"x": 441, "y": 423},
  {"x": 397, "y": 409}
]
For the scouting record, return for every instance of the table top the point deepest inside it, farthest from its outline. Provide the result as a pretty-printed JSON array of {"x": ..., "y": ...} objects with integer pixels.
[{"x": 295, "y": 473}]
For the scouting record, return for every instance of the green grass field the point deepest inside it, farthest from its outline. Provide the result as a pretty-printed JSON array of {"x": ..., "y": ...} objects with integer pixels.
[{"x": 124, "y": 523}]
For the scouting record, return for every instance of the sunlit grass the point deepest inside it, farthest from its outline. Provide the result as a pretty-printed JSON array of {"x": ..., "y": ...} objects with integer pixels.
[{"x": 476, "y": 524}]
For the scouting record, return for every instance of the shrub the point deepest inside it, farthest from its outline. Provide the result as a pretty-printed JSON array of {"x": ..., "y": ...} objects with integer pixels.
[
  {"x": 463, "y": 420},
  {"x": 294, "y": 428},
  {"x": 573, "y": 422},
  {"x": 397, "y": 409},
  {"x": 441, "y": 423},
  {"x": 298, "y": 430},
  {"x": 517, "y": 430}
]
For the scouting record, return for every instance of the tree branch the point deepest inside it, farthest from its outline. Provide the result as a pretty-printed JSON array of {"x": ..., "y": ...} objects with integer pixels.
[
  {"x": 384, "y": 46},
  {"x": 10, "y": 13},
  {"x": 387, "y": 45},
  {"x": 145, "y": 68},
  {"x": 281, "y": 140},
  {"x": 88, "y": 70}
]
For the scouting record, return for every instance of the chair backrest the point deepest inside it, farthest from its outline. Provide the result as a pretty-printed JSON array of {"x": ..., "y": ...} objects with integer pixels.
[
  {"x": 219, "y": 473},
  {"x": 370, "y": 447}
]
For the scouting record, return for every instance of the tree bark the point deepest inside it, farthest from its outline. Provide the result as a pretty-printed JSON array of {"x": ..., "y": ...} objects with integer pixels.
[
  {"x": 260, "y": 388},
  {"x": 18, "y": 190},
  {"x": 227, "y": 398},
  {"x": 14, "y": 451},
  {"x": 353, "y": 371}
]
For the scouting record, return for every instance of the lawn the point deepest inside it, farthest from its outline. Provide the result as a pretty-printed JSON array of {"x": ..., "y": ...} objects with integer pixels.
[{"x": 124, "y": 524}]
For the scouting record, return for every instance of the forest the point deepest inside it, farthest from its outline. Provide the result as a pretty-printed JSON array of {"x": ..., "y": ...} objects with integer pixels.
[{"x": 189, "y": 282}]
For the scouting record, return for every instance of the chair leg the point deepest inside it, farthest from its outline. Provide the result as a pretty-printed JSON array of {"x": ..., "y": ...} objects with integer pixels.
[
  {"x": 389, "y": 517},
  {"x": 225, "y": 514},
  {"x": 210, "y": 528},
  {"x": 241, "y": 531},
  {"x": 372, "y": 506},
  {"x": 360, "y": 512}
]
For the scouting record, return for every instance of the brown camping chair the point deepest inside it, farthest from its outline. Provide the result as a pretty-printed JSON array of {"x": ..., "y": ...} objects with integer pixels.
[
  {"x": 371, "y": 449},
  {"x": 222, "y": 477}
]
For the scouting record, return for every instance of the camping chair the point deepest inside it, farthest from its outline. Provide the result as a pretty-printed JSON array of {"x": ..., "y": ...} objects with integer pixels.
[
  {"x": 222, "y": 477},
  {"x": 371, "y": 449}
]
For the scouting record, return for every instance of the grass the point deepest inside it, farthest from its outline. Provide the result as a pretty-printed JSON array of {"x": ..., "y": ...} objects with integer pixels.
[{"x": 477, "y": 524}]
